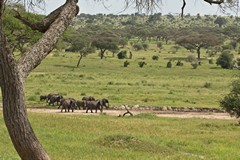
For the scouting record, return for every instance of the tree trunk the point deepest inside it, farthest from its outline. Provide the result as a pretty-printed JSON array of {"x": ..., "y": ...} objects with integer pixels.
[
  {"x": 12, "y": 78},
  {"x": 14, "y": 111},
  {"x": 199, "y": 54},
  {"x": 79, "y": 60},
  {"x": 102, "y": 53}
]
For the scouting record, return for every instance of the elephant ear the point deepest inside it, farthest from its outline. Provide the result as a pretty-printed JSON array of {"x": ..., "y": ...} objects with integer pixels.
[
  {"x": 99, "y": 102},
  {"x": 106, "y": 100}
]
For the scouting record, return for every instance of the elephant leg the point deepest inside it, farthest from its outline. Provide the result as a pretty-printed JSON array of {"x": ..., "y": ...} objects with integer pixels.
[{"x": 86, "y": 110}]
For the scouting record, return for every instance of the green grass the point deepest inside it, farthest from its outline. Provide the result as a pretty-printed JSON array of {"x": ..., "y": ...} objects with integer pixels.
[
  {"x": 152, "y": 85},
  {"x": 142, "y": 137}
]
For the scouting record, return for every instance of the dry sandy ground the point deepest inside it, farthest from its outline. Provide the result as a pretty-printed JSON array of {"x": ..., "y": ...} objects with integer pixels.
[{"x": 206, "y": 115}]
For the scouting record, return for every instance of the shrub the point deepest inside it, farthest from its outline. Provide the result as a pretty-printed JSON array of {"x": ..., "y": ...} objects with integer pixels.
[
  {"x": 227, "y": 47},
  {"x": 207, "y": 85},
  {"x": 110, "y": 83},
  {"x": 83, "y": 94},
  {"x": 211, "y": 52},
  {"x": 137, "y": 47},
  {"x": 145, "y": 46},
  {"x": 155, "y": 57},
  {"x": 142, "y": 63},
  {"x": 122, "y": 55},
  {"x": 210, "y": 61},
  {"x": 169, "y": 64},
  {"x": 179, "y": 63},
  {"x": 191, "y": 58},
  {"x": 194, "y": 65},
  {"x": 225, "y": 60},
  {"x": 175, "y": 48},
  {"x": 231, "y": 102},
  {"x": 159, "y": 45},
  {"x": 125, "y": 64}
]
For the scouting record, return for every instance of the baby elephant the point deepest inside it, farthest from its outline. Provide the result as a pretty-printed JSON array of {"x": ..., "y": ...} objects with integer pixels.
[
  {"x": 67, "y": 104},
  {"x": 43, "y": 97},
  {"x": 93, "y": 105}
]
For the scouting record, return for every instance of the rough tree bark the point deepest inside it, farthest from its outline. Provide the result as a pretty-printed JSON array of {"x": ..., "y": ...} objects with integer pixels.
[{"x": 13, "y": 74}]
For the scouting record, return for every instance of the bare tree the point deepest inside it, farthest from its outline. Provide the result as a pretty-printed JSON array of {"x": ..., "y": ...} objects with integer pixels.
[{"x": 13, "y": 73}]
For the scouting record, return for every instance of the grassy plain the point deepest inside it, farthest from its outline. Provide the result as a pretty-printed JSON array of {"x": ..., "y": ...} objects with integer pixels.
[
  {"x": 74, "y": 137},
  {"x": 152, "y": 85},
  {"x": 139, "y": 137}
]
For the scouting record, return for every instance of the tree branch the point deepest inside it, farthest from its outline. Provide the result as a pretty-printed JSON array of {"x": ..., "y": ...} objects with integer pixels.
[
  {"x": 43, "y": 25},
  {"x": 214, "y": 1},
  {"x": 128, "y": 112},
  {"x": 184, "y": 4},
  {"x": 32, "y": 58}
]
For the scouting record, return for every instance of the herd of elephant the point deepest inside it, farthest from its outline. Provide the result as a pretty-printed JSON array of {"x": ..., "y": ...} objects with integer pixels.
[{"x": 87, "y": 103}]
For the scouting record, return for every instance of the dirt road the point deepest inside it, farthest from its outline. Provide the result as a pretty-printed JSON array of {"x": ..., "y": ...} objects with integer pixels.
[{"x": 206, "y": 115}]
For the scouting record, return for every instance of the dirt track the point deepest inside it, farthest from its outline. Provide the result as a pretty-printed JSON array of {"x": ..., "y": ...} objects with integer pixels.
[{"x": 206, "y": 115}]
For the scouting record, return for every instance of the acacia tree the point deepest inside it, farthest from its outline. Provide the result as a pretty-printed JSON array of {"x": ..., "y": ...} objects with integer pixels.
[
  {"x": 105, "y": 40},
  {"x": 220, "y": 21},
  {"x": 80, "y": 42},
  {"x": 19, "y": 35},
  {"x": 13, "y": 72},
  {"x": 198, "y": 41}
]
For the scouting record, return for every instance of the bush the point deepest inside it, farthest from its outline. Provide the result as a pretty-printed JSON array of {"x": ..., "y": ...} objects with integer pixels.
[
  {"x": 159, "y": 45},
  {"x": 194, "y": 65},
  {"x": 122, "y": 55},
  {"x": 175, "y": 48},
  {"x": 145, "y": 46},
  {"x": 207, "y": 85},
  {"x": 191, "y": 58},
  {"x": 179, "y": 63},
  {"x": 227, "y": 47},
  {"x": 155, "y": 58},
  {"x": 225, "y": 60},
  {"x": 210, "y": 61},
  {"x": 231, "y": 102},
  {"x": 169, "y": 64},
  {"x": 126, "y": 63},
  {"x": 211, "y": 52},
  {"x": 142, "y": 63},
  {"x": 137, "y": 47}
]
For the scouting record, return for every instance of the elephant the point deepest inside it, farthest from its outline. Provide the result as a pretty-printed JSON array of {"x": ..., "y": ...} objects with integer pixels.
[
  {"x": 93, "y": 105},
  {"x": 90, "y": 98},
  {"x": 67, "y": 104},
  {"x": 42, "y": 97},
  {"x": 81, "y": 104},
  {"x": 104, "y": 103},
  {"x": 52, "y": 98}
]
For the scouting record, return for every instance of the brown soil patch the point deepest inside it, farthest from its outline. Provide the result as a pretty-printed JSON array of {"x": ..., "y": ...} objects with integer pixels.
[{"x": 206, "y": 115}]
